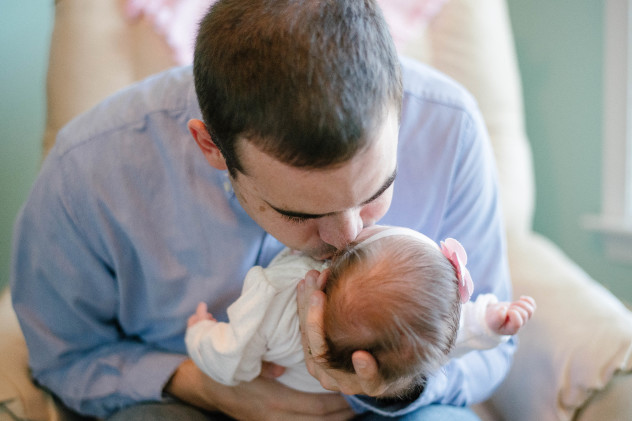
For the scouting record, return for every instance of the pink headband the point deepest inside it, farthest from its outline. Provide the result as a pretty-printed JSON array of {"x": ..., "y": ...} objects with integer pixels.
[
  {"x": 450, "y": 248},
  {"x": 455, "y": 253}
]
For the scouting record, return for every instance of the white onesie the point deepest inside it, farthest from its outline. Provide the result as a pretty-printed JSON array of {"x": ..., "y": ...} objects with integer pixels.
[{"x": 263, "y": 326}]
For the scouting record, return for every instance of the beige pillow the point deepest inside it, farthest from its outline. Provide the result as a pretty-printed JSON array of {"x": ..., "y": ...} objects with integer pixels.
[{"x": 578, "y": 339}]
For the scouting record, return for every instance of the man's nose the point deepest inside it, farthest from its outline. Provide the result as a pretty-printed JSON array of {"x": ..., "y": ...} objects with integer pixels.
[{"x": 340, "y": 229}]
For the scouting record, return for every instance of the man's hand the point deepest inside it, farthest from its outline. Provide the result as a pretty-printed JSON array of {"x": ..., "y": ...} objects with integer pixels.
[
  {"x": 311, "y": 302},
  {"x": 261, "y": 399}
]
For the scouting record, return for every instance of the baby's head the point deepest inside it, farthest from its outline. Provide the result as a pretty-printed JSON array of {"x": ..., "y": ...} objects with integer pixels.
[{"x": 396, "y": 297}]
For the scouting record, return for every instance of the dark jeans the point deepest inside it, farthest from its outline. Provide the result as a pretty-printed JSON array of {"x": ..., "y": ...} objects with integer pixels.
[{"x": 178, "y": 411}]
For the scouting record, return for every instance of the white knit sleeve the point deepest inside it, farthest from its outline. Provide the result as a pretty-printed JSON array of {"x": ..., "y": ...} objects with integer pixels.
[
  {"x": 474, "y": 333},
  {"x": 231, "y": 352}
]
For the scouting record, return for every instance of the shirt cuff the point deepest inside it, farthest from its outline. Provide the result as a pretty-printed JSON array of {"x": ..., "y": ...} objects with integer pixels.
[
  {"x": 152, "y": 375},
  {"x": 388, "y": 408}
]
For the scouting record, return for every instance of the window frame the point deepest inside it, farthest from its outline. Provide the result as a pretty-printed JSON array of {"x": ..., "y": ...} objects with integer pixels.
[{"x": 615, "y": 220}]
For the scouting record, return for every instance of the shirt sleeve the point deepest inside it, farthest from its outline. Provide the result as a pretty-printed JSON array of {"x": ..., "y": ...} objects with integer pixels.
[
  {"x": 473, "y": 216},
  {"x": 462, "y": 190},
  {"x": 65, "y": 296}
]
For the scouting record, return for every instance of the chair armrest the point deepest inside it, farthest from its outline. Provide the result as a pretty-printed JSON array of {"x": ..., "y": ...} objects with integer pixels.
[
  {"x": 611, "y": 403},
  {"x": 578, "y": 341},
  {"x": 94, "y": 52},
  {"x": 471, "y": 41}
]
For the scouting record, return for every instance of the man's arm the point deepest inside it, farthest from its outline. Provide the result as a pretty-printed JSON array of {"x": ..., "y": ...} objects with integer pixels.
[
  {"x": 69, "y": 303},
  {"x": 67, "y": 300},
  {"x": 261, "y": 399}
]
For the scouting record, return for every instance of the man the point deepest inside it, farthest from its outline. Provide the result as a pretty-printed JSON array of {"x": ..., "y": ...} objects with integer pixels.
[{"x": 306, "y": 137}]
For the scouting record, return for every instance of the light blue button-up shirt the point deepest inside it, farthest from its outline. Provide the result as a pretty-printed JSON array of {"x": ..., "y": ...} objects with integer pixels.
[{"x": 127, "y": 228}]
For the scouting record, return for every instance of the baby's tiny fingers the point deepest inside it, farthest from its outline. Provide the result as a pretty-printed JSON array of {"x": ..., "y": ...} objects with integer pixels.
[
  {"x": 514, "y": 322},
  {"x": 527, "y": 304},
  {"x": 524, "y": 313},
  {"x": 201, "y": 309}
]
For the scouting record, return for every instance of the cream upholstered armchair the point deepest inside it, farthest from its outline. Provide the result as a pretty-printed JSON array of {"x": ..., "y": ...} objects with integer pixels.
[{"x": 575, "y": 358}]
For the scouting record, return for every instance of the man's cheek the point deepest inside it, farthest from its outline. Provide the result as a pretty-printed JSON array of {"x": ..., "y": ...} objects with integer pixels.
[{"x": 374, "y": 211}]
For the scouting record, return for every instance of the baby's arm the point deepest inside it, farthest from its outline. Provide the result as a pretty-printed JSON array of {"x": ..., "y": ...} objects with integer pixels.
[
  {"x": 506, "y": 318},
  {"x": 201, "y": 313},
  {"x": 231, "y": 352},
  {"x": 486, "y": 323}
]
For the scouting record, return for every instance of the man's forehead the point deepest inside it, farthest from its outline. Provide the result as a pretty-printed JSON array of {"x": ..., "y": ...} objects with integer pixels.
[{"x": 321, "y": 191}]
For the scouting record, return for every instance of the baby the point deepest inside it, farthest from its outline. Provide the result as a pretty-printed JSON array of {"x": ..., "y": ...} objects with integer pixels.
[{"x": 394, "y": 293}]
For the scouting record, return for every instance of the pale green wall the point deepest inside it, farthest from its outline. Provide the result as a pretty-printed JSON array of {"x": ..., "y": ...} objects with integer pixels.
[
  {"x": 25, "y": 27},
  {"x": 560, "y": 52}
]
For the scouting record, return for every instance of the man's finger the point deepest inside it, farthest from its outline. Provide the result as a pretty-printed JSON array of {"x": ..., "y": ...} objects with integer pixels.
[
  {"x": 322, "y": 279},
  {"x": 366, "y": 369},
  {"x": 314, "y": 323},
  {"x": 303, "y": 291},
  {"x": 271, "y": 370}
]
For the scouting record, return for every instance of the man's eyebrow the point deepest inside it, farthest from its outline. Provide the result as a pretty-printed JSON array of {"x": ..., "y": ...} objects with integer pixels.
[{"x": 389, "y": 181}]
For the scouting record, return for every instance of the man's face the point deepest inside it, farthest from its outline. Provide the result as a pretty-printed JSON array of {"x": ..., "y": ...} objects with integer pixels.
[{"x": 318, "y": 211}]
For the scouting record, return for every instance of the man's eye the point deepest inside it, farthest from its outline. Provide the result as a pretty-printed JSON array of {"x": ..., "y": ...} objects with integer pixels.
[{"x": 294, "y": 219}]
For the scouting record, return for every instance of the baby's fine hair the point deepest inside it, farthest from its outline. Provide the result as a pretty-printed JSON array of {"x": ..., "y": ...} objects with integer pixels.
[{"x": 397, "y": 299}]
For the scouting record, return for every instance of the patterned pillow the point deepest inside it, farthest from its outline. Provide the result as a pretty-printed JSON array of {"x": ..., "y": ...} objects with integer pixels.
[
  {"x": 408, "y": 18},
  {"x": 176, "y": 20}
]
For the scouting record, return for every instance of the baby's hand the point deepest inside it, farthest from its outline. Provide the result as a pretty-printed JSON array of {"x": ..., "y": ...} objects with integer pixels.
[
  {"x": 508, "y": 318},
  {"x": 201, "y": 313}
]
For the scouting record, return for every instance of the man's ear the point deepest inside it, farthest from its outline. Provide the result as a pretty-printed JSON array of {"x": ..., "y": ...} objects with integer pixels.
[{"x": 203, "y": 139}]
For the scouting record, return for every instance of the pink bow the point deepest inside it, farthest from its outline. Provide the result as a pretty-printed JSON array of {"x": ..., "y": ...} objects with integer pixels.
[{"x": 455, "y": 253}]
